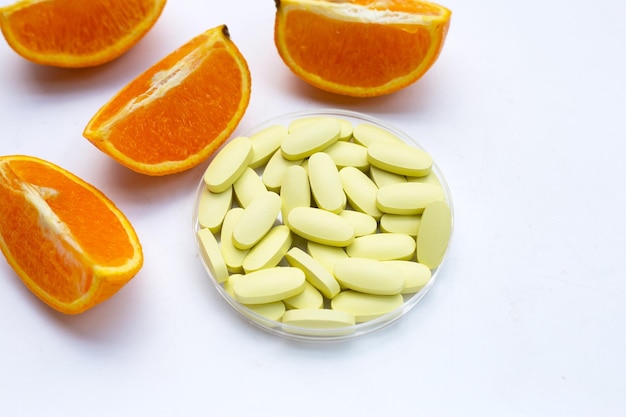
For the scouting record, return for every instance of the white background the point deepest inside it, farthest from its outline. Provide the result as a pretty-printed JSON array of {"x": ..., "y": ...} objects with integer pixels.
[{"x": 524, "y": 113}]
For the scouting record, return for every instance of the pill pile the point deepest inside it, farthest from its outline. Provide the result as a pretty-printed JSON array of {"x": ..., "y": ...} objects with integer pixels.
[{"x": 322, "y": 223}]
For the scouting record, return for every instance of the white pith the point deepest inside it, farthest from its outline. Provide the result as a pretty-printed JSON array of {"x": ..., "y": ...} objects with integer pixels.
[{"x": 160, "y": 84}]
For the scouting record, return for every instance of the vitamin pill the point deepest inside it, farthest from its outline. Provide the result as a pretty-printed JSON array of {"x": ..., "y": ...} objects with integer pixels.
[
  {"x": 228, "y": 164},
  {"x": 361, "y": 192},
  {"x": 248, "y": 187},
  {"x": 272, "y": 311},
  {"x": 314, "y": 272},
  {"x": 310, "y": 297},
  {"x": 275, "y": 169},
  {"x": 365, "y": 307},
  {"x": 364, "y": 224},
  {"x": 212, "y": 255},
  {"x": 348, "y": 154},
  {"x": 268, "y": 252},
  {"x": 298, "y": 123},
  {"x": 346, "y": 130},
  {"x": 295, "y": 190},
  {"x": 369, "y": 276},
  {"x": 382, "y": 246},
  {"x": 399, "y": 159},
  {"x": 310, "y": 138},
  {"x": 257, "y": 219},
  {"x": 325, "y": 183},
  {"x": 233, "y": 256},
  {"x": 365, "y": 134},
  {"x": 230, "y": 282},
  {"x": 265, "y": 143},
  {"x": 382, "y": 177},
  {"x": 325, "y": 255},
  {"x": 434, "y": 234},
  {"x": 407, "y": 197},
  {"x": 305, "y": 165},
  {"x": 417, "y": 275},
  {"x": 269, "y": 285},
  {"x": 213, "y": 207},
  {"x": 337, "y": 321},
  {"x": 427, "y": 179},
  {"x": 321, "y": 226},
  {"x": 397, "y": 223},
  {"x": 344, "y": 134}
]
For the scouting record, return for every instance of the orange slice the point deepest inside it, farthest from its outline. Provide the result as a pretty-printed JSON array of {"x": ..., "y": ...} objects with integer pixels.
[
  {"x": 360, "y": 48},
  {"x": 175, "y": 114},
  {"x": 77, "y": 33},
  {"x": 66, "y": 240}
]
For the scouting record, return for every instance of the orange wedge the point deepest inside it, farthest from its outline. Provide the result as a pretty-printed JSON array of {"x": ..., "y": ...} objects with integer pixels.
[
  {"x": 175, "y": 114},
  {"x": 360, "y": 48},
  {"x": 67, "y": 241},
  {"x": 77, "y": 33}
]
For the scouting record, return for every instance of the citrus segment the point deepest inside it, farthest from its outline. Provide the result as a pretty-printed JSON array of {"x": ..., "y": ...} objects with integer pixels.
[
  {"x": 66, "y": 240},
  {"x": 175, "y": 114},
  {"x": 77, "y": 33},
  {"x": 360, "y": 48}
]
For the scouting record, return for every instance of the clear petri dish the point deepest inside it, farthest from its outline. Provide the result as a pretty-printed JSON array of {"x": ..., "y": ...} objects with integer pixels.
[{"x": 316, "y": 334}]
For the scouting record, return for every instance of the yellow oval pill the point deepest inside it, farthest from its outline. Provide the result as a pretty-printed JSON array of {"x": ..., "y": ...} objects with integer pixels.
[
  {"x": 325, "y": 255},
  {"x": 427, "y": 179},
  {"x": 257, "y": 219},
  {"x": 382, "y": 246},
  {"x": 346, "y": 129},
  {"x": 364, "y": 224},
  {"x": 434, "y": 234},
  {"x": 320, "y": 226},
  {"x": 233, "y": 256},
  {"x": 314, "y": 272},
  {"x": 333, "y": 322},
  {"x": 298, "y": 123},
  {"x": 265, "y": 143},
  {"x": 417, "y": 275},
  {"x": 407, "y": 197},
  {"x": 365, "y": 307},
  {"x": 398, "y": 223},
  {"x": 305, "y": 165},
  {"x": 382, "y": 177},
  {"x": 348, "y": 154},
  {"x": 310, "y": 138},
  {"x": 269, "y": 251},
  {"x": 365, "y": 134},
  {"x": 212, "y": 255},
  {"x": 273, "y": 311},
  {"x": 213, "y": 207},
  {"x": 274, "y": 171},
  {"x": 346, "y": 126},
  {"x": 228, "y": 164},
  {"x": 400, "y": 159},
  {"x": 248, "y": 187},
  {"x": 360, "y": 191},
  {"x": 295, "y": 190},
  {"x": 230, "y": 282},
  {"x": 269, "y": 285},
  {"x": 369, "y": 276},
  {"x": 325, "y": 183},
  {"x": 310, "y": 297}
]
